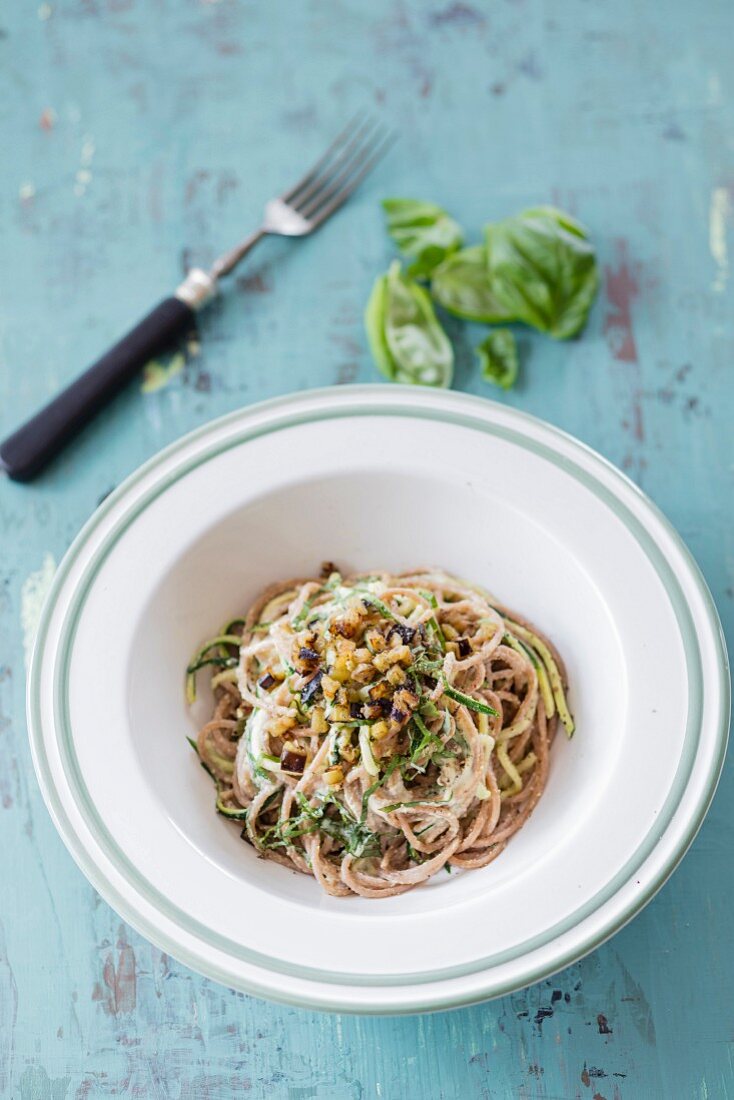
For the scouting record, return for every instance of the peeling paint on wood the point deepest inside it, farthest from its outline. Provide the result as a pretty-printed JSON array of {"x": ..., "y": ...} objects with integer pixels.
[
  {"x": 719, "y": 214},
  {"x": 33, "y": 593}
]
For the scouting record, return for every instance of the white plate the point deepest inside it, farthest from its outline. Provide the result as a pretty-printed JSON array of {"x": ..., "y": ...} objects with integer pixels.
[{"x": 393, "y": 477}]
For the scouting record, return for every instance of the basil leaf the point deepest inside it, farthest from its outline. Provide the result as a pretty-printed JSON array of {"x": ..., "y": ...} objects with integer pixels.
[
  {"x": 498, "y": 358},
  {"x": 407, "y": 342},
  {"x": 543, "y": 270},
  {"x": 374, "y": 324},
  {"x": 463, "y": 287},
  {"x": 423, "y": 232}
]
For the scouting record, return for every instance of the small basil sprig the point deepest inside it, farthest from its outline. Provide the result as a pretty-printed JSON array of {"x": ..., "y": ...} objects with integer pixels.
[
  {"x": 406, "y": 339},
  {"x": 498, "y": 358},
  {"x": 538, "y": 267},
  {"x": 542, "y": 269},
  {"x": 423, "y": 232}
]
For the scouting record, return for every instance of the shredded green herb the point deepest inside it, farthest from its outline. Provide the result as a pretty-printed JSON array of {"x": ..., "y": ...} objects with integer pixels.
[
  {"x": 433, "y": 621},
  {"x": 416, "y": 802},
  {"x": 396, "y": 762},
  {"x": 468, "y": 700},
  {"x": 378, "y": 604},
  {"x": 328, "y": 816},
  {"x": 423, "y": 741},
  {"x": 302, "y": 615}
]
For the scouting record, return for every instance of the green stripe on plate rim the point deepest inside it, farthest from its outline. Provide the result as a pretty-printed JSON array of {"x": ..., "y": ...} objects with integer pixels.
[{"x": 146, "y": 889}]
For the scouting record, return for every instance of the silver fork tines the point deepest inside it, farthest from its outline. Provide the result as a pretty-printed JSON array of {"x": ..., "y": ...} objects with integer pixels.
[{"x": 324, "y": 188}]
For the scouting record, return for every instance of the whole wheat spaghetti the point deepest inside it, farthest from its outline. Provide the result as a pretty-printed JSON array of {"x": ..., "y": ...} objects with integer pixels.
[{"x": 373, "y": 729}]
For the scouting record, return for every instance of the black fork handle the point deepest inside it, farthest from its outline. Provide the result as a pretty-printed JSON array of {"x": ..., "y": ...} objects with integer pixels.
[{"x": 25, "y": 453}]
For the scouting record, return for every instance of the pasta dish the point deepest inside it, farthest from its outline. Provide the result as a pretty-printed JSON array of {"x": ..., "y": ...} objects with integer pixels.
[{"x": 376, "y": 729}]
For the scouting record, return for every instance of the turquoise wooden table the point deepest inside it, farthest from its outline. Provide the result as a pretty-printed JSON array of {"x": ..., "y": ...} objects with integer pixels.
[{"x": 138, "y": 138}]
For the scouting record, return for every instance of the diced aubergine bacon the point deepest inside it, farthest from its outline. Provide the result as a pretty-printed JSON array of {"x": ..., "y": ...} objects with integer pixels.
[
  {"x": 293, "y": 761},
  {"x": 308, "y": 693}
]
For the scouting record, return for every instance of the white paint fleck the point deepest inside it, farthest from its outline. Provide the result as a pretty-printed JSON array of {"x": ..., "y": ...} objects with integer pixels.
[
  {"x": 719, "y": 211},
  {"x": 32, "y": 596},
  {"x": 87, "y": 150},
  {"x": 714, "y": 90},
  {"x": 26, "y": 191},
  {"x": 45, "y": 12},
  {"x": 84, "y": 175}
]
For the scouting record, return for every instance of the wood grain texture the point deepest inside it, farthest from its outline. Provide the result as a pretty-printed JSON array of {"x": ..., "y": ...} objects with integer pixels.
[{"x": 140, "y": 137}]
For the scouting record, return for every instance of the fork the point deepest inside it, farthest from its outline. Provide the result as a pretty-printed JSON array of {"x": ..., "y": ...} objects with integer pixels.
[{"x": 298, "y": 212}]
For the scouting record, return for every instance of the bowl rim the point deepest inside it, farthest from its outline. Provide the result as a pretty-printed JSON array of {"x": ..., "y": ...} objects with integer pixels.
[{"x": 356, "y": 401}]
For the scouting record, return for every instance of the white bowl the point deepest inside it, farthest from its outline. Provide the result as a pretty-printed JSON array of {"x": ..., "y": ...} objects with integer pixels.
[{"x": 388, "y": 477}]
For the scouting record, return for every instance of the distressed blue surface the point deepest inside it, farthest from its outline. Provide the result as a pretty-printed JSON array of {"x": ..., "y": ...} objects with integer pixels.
[{"x": 137, "y": 139}]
